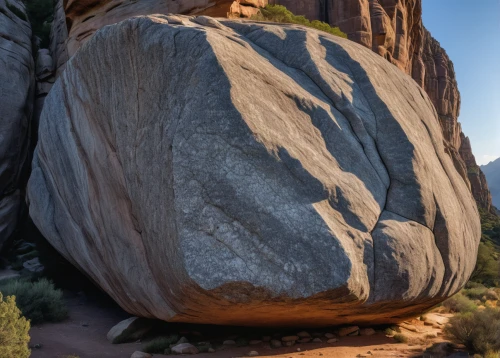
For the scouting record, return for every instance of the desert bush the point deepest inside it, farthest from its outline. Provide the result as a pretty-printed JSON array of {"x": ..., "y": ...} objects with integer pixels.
[
  {"x": 159, "y": 344},
  {"x": 40, "y": 14},
  {"x": 400, "y": 338},
  {"x": 459, "y": 303},
  {"x": 38, "y": 301},
  {"x": 14, "y": 330},
  {"x": 478, "y": 330},
  {"x": 279, "y": 13}
]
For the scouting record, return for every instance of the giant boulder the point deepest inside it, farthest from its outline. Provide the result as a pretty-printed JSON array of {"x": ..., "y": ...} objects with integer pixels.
[
  {"x": 16, "y": 106},
  {"x": 243, "y": 173}
]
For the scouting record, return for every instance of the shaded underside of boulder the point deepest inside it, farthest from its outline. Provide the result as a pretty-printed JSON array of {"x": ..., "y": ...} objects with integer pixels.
[
  {"x": 16, "y": 106},
  {"x": 245, "y": 173}
]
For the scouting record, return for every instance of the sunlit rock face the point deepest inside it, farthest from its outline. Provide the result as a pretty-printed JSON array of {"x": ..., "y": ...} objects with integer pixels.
[
  {"x": 16, "y": 106},
  {"x": 233, "y": 172},
  {"x": 394, "y": 30}
]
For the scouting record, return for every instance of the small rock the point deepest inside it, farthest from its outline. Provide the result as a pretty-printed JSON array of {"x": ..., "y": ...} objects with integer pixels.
[
  {"x": 229, "y": 342},
  {"x": 303, "y": 334},
  {"x": 298, "y": 349},
  {"x": 289, "y": 343},
  {"x": 290, "y": 338},
  {"x": 317, "y": 340},
  {"x": 348, "y": 331},
  {"x": 129, "y": 330},
  {"x": 254, "y": 342},
  {"x": 138, "y": 354},
  {"x": 37, "y": 346},
  {"x": 409, "y": 327},
  {"x": 185, "y": 348},
  {"x": 182, "y": 340},
  {"x": 367, "y": 332},
  {"x": 304, "y": 340},
  {"x": 329, "y": 335},
  {"x": 211, "y": 350},
  {"x": 33, "y": 265},
  {"x": 253, "y": 354},
  {"x": 275, "y": 343},
  {"x": 332, "y": 340}
]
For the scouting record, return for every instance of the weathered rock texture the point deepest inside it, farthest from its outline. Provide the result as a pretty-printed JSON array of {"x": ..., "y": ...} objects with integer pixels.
[
  {"x": 250, "y": 174},
  {"x": 16, "y": 105},
  {"x": 394, "y": 30}
]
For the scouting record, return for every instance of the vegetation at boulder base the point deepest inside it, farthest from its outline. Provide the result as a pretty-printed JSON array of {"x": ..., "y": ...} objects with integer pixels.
[
  {"x": 14, "y": 328},
  {"x": 38, "y": 301},
  {"x": 159, "y": 344},
  {"x": 279, "y": 13},
  {"x": 479, "y": 331}
]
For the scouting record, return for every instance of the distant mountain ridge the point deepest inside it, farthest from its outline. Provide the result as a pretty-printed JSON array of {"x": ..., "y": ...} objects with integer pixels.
[{"x": 492, "y": 172}]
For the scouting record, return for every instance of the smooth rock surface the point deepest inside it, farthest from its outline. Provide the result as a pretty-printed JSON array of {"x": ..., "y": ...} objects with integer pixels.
[
  {"x": 129, "y": 330},
  {"x": 312, "y": 201},
  {"x": 17, "y": 85},
  {"x": 394, "y": 30}
]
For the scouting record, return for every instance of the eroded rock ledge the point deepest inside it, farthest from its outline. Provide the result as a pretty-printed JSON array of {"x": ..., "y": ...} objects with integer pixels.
[{"x": 240, "y": 173}]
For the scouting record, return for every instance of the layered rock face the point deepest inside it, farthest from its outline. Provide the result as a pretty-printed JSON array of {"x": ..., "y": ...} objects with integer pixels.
[
  {"x": 394, "y": 30},
  {"x": 16, "y": 106},
  {"x": 75, "y": 21},
  {"x": 241, "y": 173}
]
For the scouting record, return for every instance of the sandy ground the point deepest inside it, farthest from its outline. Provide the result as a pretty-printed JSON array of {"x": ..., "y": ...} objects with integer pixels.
[{"x": 84, "y": 335}]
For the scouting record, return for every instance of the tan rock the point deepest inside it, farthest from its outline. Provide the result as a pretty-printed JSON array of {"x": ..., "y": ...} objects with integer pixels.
[{"x": 345, "y": 331}]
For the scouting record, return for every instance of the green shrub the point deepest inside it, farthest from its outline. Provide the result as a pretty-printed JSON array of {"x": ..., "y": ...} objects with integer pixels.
[
  {"x": 459, "y": 303},
  {"x": 14, "y": 328},
  {"x": 400, "y": 338},
  {"x": 40, "y": 13},
  {"x": 158, "y": 345},
  {"x": 279, "y": 13},
  {"x": 38, "y": 301},
  {"x": 478, "y": 330}
]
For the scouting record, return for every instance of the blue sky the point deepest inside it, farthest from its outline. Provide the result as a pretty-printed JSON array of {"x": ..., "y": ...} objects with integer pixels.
[{"x": 469, "y": 31}]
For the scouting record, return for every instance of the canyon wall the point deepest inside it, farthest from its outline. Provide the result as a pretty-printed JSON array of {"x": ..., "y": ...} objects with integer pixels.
[{"x": 16, "y": 105}]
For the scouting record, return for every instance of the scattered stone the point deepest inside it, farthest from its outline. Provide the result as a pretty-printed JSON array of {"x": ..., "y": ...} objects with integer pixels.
[
  {"x": 275, "y": 343},
  {"x": 332, "y": 340},
  {"x": 356, "y": 333},
  {"x": 37, "y": 346},
  {"x": 229, "y": 342},
  {"x": 185, "y": 348},
  {"x": 290, "y": 338},
  {"x": 304, "y": 340},
  {"x": 129, "y": 330},
  {"x": 182, "y": 340},
  {"x": 408, "y": 327},
  {"x": 367, "y": 332},
  {"x": 253, "y": 354},
  {"x": 138, "y": 354},
  {"x": 329, "y": 335},
  {"x": 289, "y": 343},
  {"x": 303, "y": 334},
  {"x": 254, "y": 342},
  {"x": 317, "y": 340},
  {"x": 211, "y": 350},
  {"x": 33, "y": 265},
  {"x": 348, "y": 330}
]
